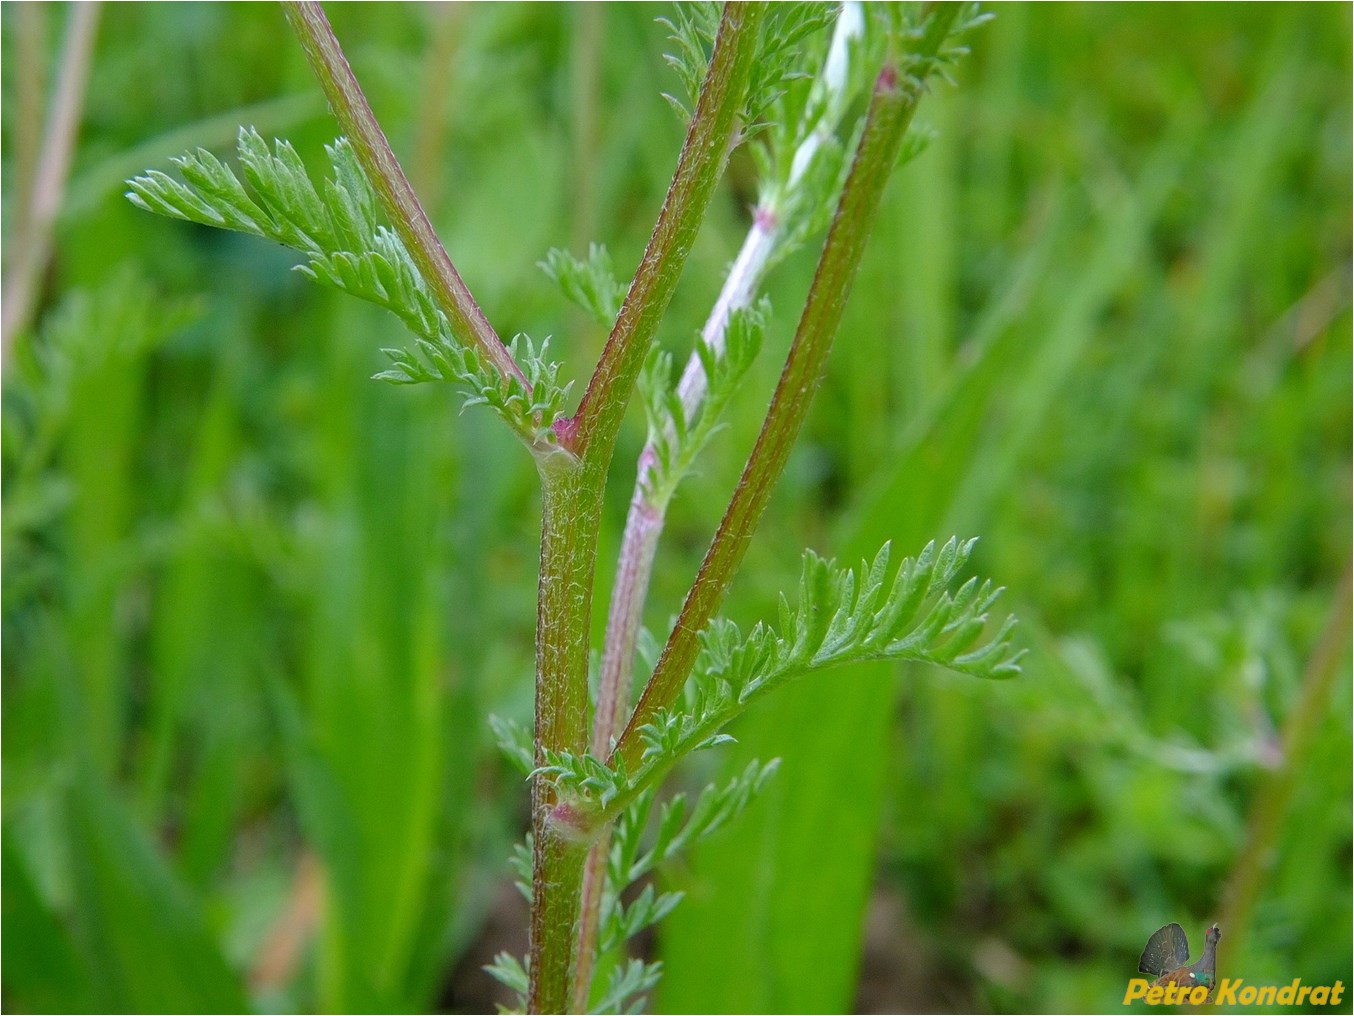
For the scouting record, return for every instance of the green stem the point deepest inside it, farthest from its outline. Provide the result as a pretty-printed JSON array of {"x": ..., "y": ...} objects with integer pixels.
[
  {"x": 573, "y": 485},
  {"x": 707, "y": 147},
  {"x": 590, "y": 915},
  {"x": 644, "y": 522},
  {"x": 570, "y": 509},
  {"x": 895, "y": 100},
  {"x": 401, "y": 205}
]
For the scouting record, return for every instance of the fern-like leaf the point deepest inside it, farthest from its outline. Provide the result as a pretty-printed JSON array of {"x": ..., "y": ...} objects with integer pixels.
[
  {"x": 514, "y": 741},
  {"x": 591, "y": 284},
  {"x": 779, "y": 59},
  {"x": 678, "y": 432},
  {"x": 336, "y": 227},
  {"x": 842, "y": 616},
  {"x": 626, "y": 986},
  {"x": 582, "y": 777},
  {"x": 512, "y": 973},
  {"x": 781, "y": 56},
  {"x": 845, "y": 616},
  {"x": 691, "y": 30}
]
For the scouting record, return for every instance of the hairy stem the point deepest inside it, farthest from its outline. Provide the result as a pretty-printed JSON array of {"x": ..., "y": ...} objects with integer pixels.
[
  {"x": 648, "y": 506},
  {"x": 570, "y": 513},
  {"x": 643, "y": 526},
  {"x": 49, "y": 179},
  {"x": 639, "y": 545},
  {"x": 397, "y": 198},
  {"x": 589, "y": 921},
  {"x": 703, "y": 156},
  {"x": 573, "y": 486},
  {"x": 891, "y": 108}
]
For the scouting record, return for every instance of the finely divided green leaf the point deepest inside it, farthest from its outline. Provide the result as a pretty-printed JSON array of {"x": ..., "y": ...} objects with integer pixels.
[
  {"x": 347, "y": 249},
  {"x": 591, "y": 284},
  {"x": 677, "y": 434}
]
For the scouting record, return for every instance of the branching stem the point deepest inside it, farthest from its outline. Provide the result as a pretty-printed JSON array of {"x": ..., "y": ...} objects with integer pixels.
[
  {"x": 891, "y": 108},
  {"x": 703, "y": 156},
  {"x": 573, "y": 485},
  {"x": 648, "y": 505},
  {"x": 639, "y": 544}
]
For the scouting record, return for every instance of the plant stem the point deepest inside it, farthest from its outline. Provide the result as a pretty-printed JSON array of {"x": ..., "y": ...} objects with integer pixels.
[
  {"x": 49, "y": 180},
  {"x": 895, "y": 100},
  {"x": 573, "y": 486},
  {"x": 643, "y": 526},
  {"x": 648, "y": 506},
  {"x": 703, "y": 157},
  {"x": 401, "y": 205},
  {"x": 568, "y": 552},
  {"x": 639, "y": 545}
]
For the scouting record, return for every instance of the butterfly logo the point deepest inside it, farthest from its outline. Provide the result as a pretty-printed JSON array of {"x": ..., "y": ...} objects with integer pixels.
[{"x": 1167, "y": 954}]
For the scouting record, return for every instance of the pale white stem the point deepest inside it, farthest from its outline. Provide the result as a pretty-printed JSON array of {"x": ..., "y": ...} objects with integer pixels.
[
  {"x": 643, "y": 526},
  {"x": 746, "y": 271},
  {"x": 644, "y": 522},
  {"x": 739, "y": 288},
  {"x": 850, "y": 26}
]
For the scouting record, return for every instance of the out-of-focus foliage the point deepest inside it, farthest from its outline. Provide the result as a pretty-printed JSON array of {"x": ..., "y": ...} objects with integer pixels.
[{"x": 258, "y": 608}]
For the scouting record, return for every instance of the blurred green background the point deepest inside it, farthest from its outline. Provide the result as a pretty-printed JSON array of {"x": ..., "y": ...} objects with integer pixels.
[{"x": 258, "y": 607}]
